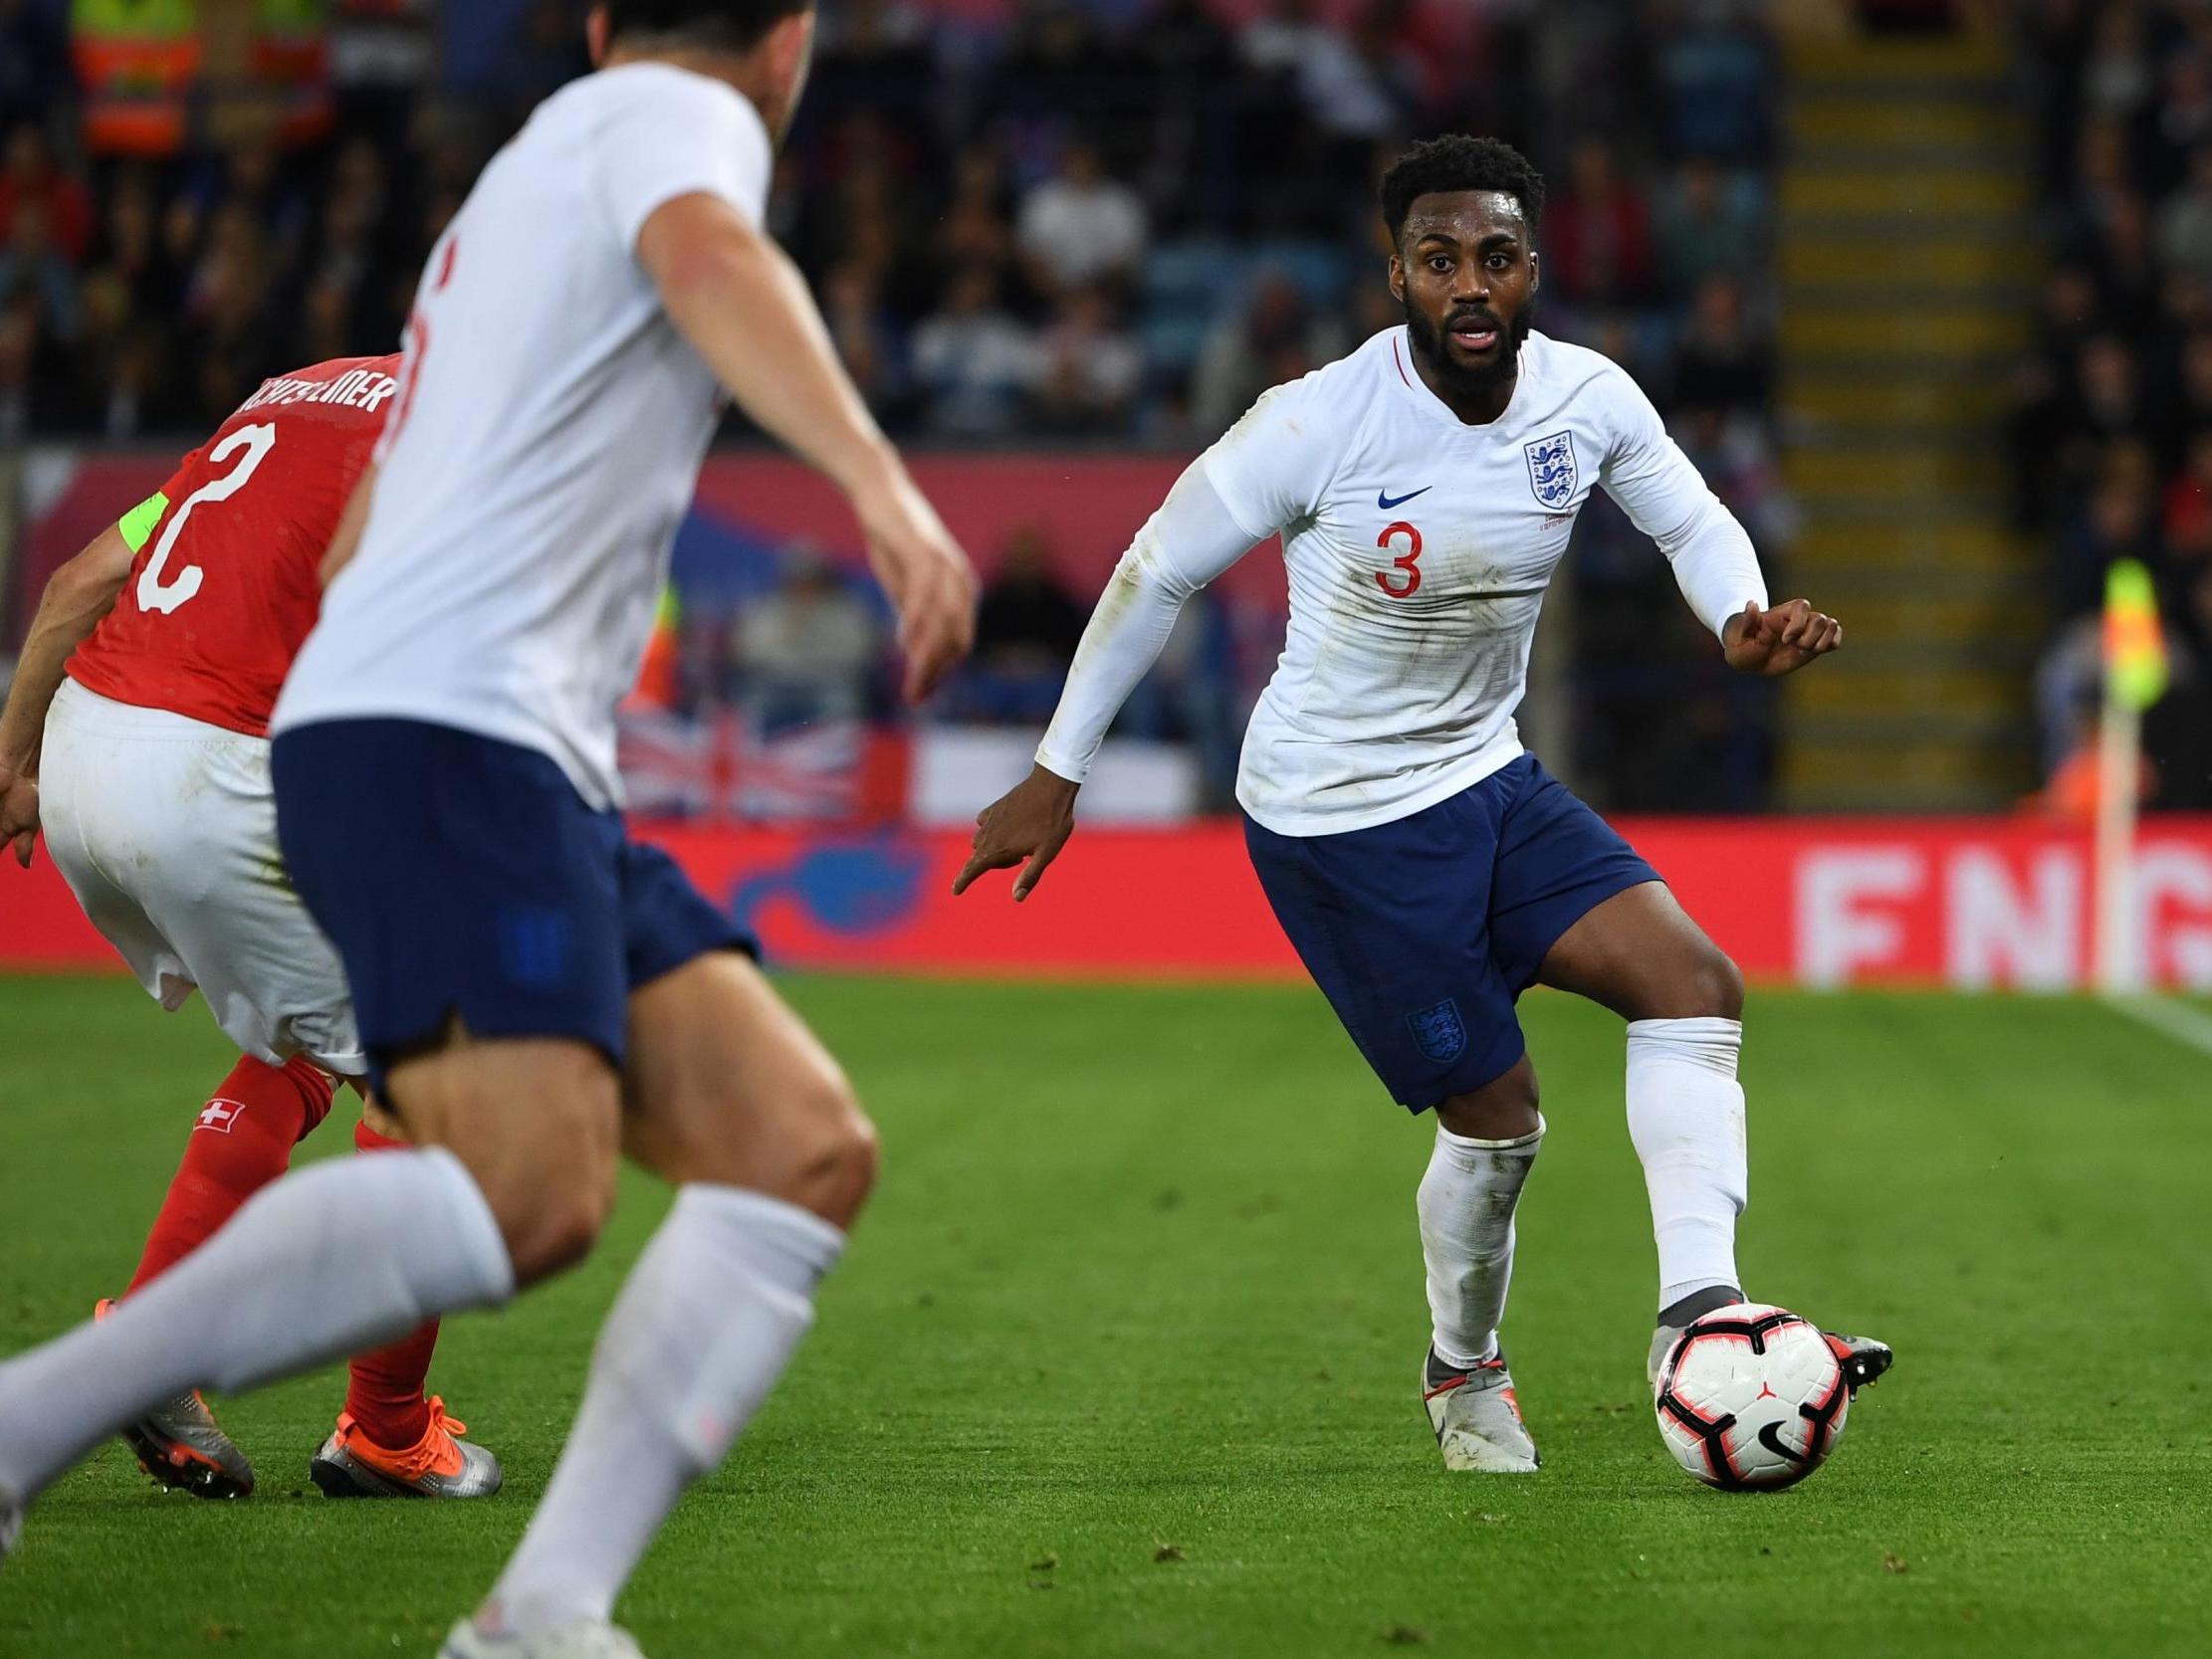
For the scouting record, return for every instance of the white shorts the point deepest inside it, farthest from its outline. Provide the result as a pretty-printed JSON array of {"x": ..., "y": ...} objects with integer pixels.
[{"x": 165, "y": 829}]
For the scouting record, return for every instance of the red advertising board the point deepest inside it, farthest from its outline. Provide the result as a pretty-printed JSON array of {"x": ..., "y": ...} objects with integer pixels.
[
  {"x": 1083, "y": 508},
  {"x": 1964, "y": 902}
]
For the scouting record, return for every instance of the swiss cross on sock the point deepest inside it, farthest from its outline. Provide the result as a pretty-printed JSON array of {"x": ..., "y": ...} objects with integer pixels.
[{"x": 219, "y": 1116}]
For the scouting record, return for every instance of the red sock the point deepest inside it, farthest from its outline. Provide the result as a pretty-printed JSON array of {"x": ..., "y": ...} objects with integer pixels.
[
  {"x": 242, "y": 1142},
  {"x": 383, "y": 1389}
]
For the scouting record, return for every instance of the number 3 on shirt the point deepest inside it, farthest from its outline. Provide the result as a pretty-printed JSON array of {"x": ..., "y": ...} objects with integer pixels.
[
  {"x": 1407, "y": 561},
  {"x": 154, "y": 594}
]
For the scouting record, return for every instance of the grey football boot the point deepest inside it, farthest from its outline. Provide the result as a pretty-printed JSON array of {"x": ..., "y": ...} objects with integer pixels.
[
  {"x": 1476, "y": 1417},
  {"x": 440, "y": 1465},
  {"x": 180, "y": 1444}
]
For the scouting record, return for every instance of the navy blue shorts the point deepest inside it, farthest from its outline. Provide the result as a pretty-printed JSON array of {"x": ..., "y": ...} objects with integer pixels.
[
  {"x": 461, "y": 876},
  {"x": 1424, "y": 933}
]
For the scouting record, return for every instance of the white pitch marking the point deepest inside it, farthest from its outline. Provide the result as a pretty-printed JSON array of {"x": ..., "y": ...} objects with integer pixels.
[{"x": 2177, "y": 1020}]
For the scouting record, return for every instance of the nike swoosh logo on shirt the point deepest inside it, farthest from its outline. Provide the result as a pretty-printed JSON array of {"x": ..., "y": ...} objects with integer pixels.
[{"x": 1387, "y": 502}]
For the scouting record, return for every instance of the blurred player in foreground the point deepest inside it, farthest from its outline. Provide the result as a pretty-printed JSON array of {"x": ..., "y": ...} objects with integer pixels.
[
  {"x": 141, "y": 705},
  {"x": 536, "y": 993},
  {"x": 1426, "y": 867}
]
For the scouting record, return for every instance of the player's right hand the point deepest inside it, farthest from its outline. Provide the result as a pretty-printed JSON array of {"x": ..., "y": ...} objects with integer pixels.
[
  {"x": 930, "y": 584},
  {"x": 1779, "y": 639},
  {"x": 1031, "y": 822},
  {"x": 19, "y": 813}
]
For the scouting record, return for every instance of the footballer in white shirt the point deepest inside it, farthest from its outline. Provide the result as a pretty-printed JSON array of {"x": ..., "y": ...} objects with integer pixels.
[
  {"x": 1424, "y": 866},
  {"x": 538, "y": 994}
]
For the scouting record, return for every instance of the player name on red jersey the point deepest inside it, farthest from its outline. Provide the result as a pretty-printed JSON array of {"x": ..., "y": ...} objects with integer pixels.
[{"x": 359, "y": 388}]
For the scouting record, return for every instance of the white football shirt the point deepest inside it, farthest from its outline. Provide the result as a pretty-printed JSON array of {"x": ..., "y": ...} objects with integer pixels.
[
  {"x": 1419, "y": 550},
  {"x": 546, "y": 439}
]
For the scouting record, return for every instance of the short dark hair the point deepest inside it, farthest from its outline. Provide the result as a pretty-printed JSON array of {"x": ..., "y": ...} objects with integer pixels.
[
  {"x": 1457, "y": 161},
  {"x": 719, "y": 25}
]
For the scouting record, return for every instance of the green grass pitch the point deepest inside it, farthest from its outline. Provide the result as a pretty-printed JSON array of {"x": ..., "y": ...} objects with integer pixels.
[{"x": 1123, "y": 1358}]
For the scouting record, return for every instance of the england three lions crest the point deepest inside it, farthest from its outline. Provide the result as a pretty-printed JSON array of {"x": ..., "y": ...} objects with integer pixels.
[
  {"x": 1438, "y": 1032},
  {"x": 1551, "y": 469}
]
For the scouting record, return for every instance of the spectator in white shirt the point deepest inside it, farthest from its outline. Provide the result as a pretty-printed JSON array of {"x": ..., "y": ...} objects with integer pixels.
[
  {"x": 972, "y": 363},
  {"x": 1080, "y": 227},
  {"x": 2185, "y": 222},
  {"x": 808, "y": 651},
  {"x": 1347, "y": 91},
  {"x": 1090, "y": 368}
]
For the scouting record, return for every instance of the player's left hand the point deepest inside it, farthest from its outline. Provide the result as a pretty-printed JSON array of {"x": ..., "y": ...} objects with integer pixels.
[
  {"x": 19, "y": 813},
  {"x": 1780, "y": 639}
]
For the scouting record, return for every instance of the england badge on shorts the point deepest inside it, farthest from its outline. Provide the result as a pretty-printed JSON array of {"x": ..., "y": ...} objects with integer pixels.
[
  {"x": 1551, "y": 469},
  {"x": 1438, "y": 1032}
]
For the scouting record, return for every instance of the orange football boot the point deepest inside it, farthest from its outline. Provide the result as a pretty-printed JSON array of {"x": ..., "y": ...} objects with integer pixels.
[{"x": 439, "y": 1465}]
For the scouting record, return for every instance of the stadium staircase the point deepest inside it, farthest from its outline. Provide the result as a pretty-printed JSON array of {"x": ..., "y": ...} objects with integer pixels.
[{"x": 1906, "y": 271}]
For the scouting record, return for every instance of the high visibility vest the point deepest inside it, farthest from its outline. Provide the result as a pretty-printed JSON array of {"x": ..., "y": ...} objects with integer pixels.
[
  {"x": 292, "y": 60},
  {"x": 138, "y": 61},
  {"x": 290, "y": 37}
]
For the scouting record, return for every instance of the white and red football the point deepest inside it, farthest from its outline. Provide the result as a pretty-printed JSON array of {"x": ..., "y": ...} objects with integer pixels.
[{"x": 1751, "y": 1398}]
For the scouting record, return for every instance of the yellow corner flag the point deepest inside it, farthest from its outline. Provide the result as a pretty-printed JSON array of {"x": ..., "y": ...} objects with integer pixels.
[{"x": 2134, "y": 644}]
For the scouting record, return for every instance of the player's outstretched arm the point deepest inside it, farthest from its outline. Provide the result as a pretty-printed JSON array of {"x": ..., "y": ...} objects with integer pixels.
[
  {"x": 1778, "y": 640},
  {"x": 1192, "y": 539},
  {"x": 743, "y": 304},
  {"x": 1714, "y": 562},
  {"x": 77, "y": 596}
]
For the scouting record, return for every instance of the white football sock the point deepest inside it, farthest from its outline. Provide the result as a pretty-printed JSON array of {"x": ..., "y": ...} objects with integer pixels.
[
  {"x": 1466, "y": 1205},
  {"x": 701, "y": 1332},
  {"x": 338, "y": 1257},
  {"x": 1685, "y": 1115}
]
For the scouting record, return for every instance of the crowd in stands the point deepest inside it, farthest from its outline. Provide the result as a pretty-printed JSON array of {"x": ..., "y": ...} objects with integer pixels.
[
  {"x": 2111, "y": 412},
  {"x": 1081, "y": 221}
]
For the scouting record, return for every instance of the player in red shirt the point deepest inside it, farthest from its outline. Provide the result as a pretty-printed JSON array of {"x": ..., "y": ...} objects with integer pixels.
[{"x": 135, "y": 733}]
